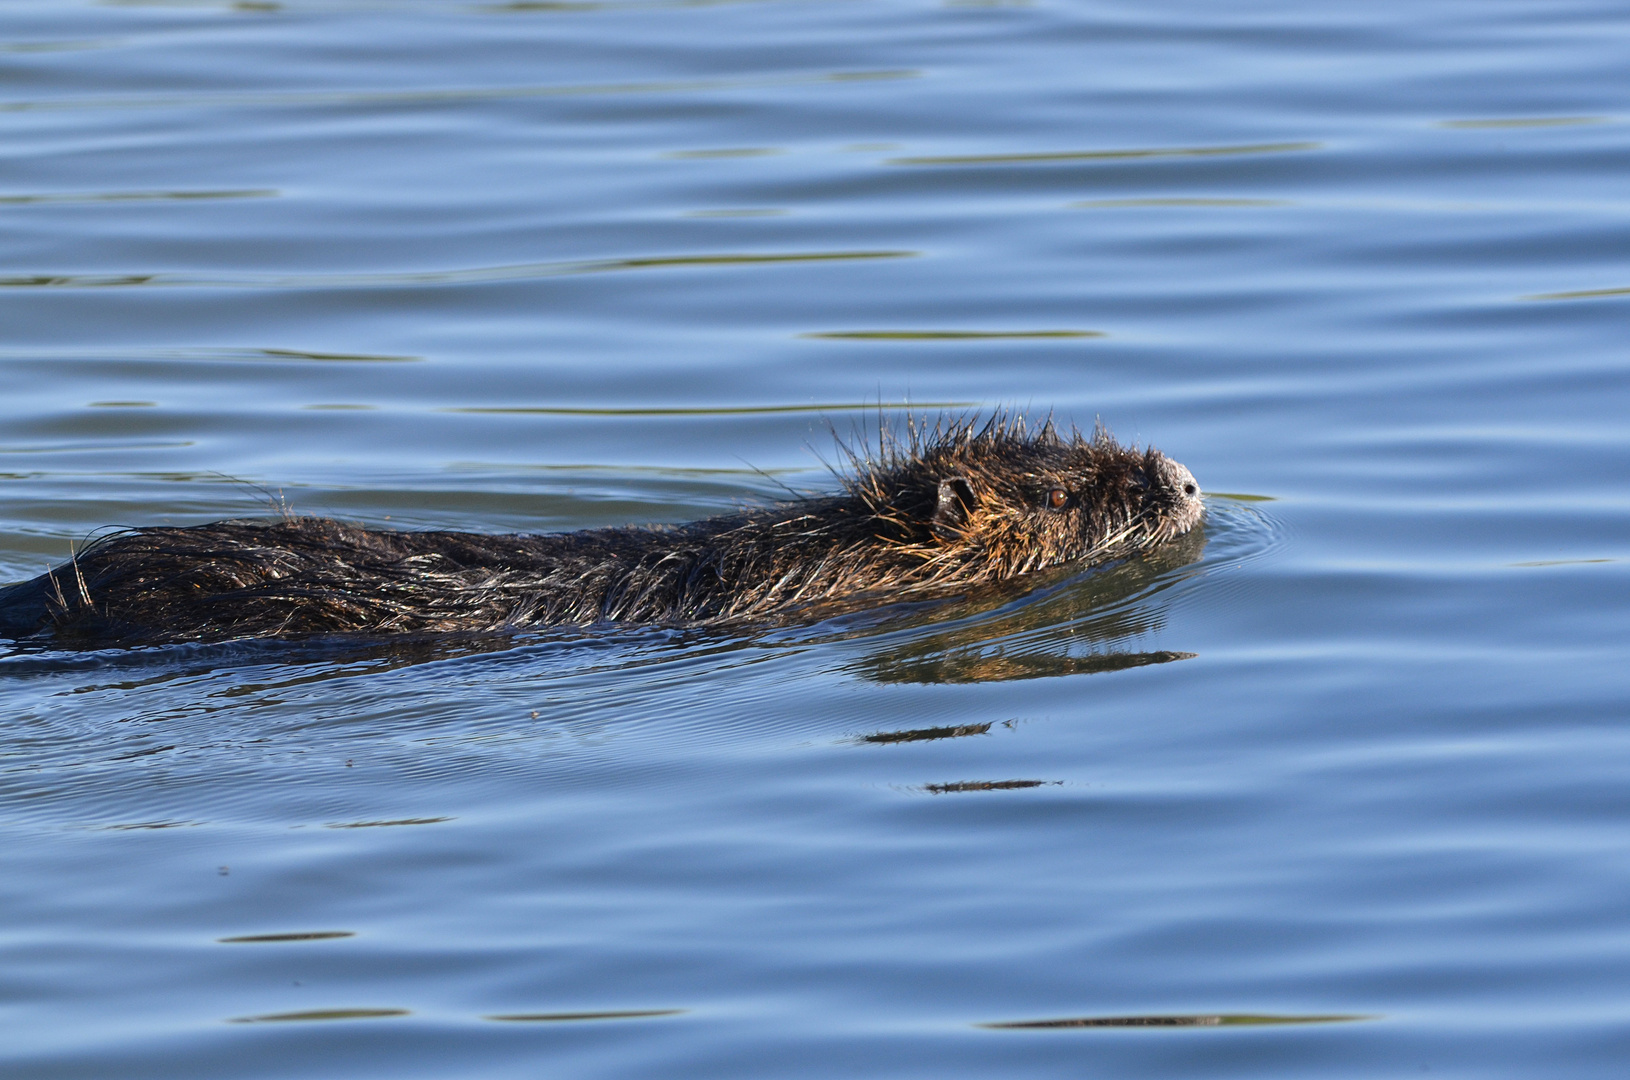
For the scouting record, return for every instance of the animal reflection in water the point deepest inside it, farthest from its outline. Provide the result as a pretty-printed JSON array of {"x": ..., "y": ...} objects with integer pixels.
[{"x": 1080, "y": 628}]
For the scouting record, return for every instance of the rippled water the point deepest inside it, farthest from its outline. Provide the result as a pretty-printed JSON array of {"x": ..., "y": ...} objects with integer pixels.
[{"x": 1337, "y": 788}]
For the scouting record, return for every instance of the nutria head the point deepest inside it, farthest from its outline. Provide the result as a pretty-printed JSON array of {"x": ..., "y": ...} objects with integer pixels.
[{"x": 986, "y": 503}]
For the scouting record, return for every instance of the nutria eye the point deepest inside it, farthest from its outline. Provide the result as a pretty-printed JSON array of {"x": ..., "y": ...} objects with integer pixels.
[
  {"x": 1189, "y": 489},
  {"x": 1057, "y": 497}
]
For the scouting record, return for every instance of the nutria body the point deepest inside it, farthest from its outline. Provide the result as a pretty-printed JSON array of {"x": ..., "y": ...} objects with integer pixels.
[{"x": 933, "y": 512}]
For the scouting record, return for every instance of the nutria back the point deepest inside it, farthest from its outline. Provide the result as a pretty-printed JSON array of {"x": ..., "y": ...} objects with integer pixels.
[{"x": 933, "y": 511}]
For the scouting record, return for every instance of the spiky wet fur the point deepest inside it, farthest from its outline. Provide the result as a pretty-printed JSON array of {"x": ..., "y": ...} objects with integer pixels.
[{"x": 931, "y": 510}]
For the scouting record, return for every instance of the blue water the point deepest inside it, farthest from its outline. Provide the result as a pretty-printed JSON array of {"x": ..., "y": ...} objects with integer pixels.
[{"x": 1353, "y": 757}]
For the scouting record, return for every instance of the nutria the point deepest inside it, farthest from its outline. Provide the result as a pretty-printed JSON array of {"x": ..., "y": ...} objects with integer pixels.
[{"x": 936, "y": 510}]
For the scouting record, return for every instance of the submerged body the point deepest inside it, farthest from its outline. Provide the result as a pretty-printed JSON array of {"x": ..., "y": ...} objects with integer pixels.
[{"x": 956, "y": 507}]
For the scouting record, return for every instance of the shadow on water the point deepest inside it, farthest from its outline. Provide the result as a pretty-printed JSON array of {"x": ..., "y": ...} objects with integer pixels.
[
  {"x": 314, "y": 659},
  {"x": 987, "y": 785},
  {"x": 927, "y": 734}
]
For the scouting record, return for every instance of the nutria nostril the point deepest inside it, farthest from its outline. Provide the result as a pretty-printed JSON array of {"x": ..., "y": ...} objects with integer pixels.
[{"x": 932, "y": 511}]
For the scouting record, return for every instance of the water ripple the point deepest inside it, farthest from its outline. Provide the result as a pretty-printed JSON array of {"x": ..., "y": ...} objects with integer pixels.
[
  {"x": 422, "y": 278},
  {"x": 439, "y": 96},
  {"x": 1109, "y": 155},
  {"x": 136, "y": 196}
]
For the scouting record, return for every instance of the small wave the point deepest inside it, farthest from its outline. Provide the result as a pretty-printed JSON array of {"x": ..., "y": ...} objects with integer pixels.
[
  {"x": 1059, "y": 156},
  {"x": 422, "y": 278}
]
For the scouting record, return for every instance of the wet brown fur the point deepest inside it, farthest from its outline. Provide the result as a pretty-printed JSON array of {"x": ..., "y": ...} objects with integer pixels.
[{"x": 932, "y": 511}]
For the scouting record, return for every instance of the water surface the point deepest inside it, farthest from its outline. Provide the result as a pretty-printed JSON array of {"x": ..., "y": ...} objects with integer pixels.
[{"x": 1335, "y": 787}]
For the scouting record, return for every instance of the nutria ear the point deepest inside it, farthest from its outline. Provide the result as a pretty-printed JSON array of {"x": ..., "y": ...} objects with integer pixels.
[{"x": 952, "y": 510}]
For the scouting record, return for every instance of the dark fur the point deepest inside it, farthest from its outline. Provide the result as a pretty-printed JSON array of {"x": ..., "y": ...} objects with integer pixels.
[{"x": 936, "y": 511}]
